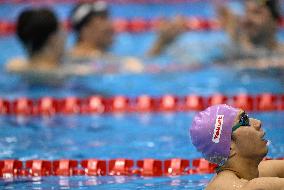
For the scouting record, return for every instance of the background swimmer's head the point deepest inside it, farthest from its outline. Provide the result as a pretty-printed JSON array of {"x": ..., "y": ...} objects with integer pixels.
[
  {"x": 261, "y": 19},
  {"x": 212, "y": 134},
  {"x": 92, "y": 24},
  {"x": 39, "y": 29}
]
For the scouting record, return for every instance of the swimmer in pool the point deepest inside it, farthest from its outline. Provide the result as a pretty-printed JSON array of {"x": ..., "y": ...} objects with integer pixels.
[
  {"x": 253, "y": 35},
  {"x": 41, "y": 35},
  {"x": 256, "y": 28},
  {"x": 253, "y": 40},
  {"x": 235, "y": 142},
  {"x": 95, "y": 34}
]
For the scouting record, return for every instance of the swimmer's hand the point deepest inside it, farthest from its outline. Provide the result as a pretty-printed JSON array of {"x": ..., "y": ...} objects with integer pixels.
[
  {"x": 132, "y": 65},
  {"x": 16, "y": 65}
]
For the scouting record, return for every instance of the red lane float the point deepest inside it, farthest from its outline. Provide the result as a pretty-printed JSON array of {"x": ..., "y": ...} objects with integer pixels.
[
  {"x": 4, "y": 107},
  {"x": 136, "y": 25},
  {"x": 49, "y": 106},
  {"x": 175, "y": 167},
  {"x": 202, "y": 166},
  {"x": 70, "y": 105},
  {"x": 10, "y": 168},
  {"x": 168, "y": 103},
  {"x": 193, "y": 103},
  {"x": 118, "y": 104},
  {"x": 38, "y": 168},
  {"x": 94, "y": 105},
  {"x": 144, "y": 103},
  {"x": 280, "y": 105},
  {"x": 244, "y": 101},
  {"x": 23, "y": 107},
  {"x": 116, "y": 167},
  {"x": 150, "y": 167},
  {"x": 108, "y": 1},
  {"x": 217, "y": 99},
  {"x": 120, "y": 167},
  {"x": 266, "y": 102},
  {"x": 94, "y": 167},
  {"x": 64, "y": 167}
]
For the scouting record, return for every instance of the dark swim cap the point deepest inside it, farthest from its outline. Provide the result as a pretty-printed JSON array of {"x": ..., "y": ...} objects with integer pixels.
[
  {"x": 273, "y": 7},
  {"x": 83, "y": 13}
]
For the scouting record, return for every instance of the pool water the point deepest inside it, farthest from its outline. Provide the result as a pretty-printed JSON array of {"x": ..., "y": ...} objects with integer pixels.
[{"x": 134, "y": 136}]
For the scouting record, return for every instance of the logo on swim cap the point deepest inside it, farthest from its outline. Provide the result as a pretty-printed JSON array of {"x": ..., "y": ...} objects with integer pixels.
[{"x": 218, "y": 128}]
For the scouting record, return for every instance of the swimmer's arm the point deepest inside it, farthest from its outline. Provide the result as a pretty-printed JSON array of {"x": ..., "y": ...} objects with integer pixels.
[
  {"x": 228, "y": 21},
  {"x": 264, "y": 183},
  {"x": 168, "y": 31},
  {"x": 271, "y": 168}
]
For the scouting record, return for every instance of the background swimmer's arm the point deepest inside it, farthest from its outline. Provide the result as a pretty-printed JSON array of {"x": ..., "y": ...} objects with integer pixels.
[
  {"x": 228, "y": 21},
  {"x": 168, "y": 30},
  {"x": 271, "y": 168},
  {"x": 264, "y": 183}
]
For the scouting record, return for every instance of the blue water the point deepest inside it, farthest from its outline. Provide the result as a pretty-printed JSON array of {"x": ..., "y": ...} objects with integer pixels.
[{"x": 134, "y": 136}]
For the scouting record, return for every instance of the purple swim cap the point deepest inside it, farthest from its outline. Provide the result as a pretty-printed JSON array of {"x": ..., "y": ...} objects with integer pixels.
[{"x": 211, "y": 132}]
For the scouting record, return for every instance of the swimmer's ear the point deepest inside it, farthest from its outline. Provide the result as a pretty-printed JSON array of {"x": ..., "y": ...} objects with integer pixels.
[{"x": 233, "y": 151}]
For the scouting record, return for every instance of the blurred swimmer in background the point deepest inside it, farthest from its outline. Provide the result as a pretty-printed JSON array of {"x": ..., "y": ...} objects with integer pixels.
[
  {"x": 254, "y": 35},
  {"x": 42, "y": 37},
  {"x": 252, "y": 38},
  {"x": 94, "y": 36}
]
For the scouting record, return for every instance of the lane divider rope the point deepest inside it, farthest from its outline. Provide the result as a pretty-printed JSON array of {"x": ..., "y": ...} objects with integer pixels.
[
  {"x": 136, "y": 25},
  {"x": 48, "y": 106},
  {"x": 115, "y": 167},
  {"x": 108, "y": 1}
]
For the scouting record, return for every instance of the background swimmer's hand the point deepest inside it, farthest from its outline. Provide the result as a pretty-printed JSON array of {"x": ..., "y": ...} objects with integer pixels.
[
  {"x": 16, "y": 65},
  {"x": 132, "y": 65},
  {"x": 168, "y": 30}
]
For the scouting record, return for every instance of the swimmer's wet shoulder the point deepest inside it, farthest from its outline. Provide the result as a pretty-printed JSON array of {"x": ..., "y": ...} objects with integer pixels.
[
  {"x": 231, "y": 182},
  {"x": 226, "y": 180}
]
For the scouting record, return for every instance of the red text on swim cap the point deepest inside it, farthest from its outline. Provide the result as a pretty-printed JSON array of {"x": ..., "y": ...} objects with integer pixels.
[{"x": 218, "y": 128}]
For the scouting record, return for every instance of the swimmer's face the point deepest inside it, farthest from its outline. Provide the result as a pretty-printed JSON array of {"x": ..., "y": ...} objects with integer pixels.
[
  {"x": 258, "y": 21},
  {"x": 249, "y": 140},
  {"x": 102, "y": 31}
]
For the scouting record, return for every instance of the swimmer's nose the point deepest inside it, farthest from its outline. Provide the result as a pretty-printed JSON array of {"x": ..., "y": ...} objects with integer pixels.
[{"x": 256, "y": 123}]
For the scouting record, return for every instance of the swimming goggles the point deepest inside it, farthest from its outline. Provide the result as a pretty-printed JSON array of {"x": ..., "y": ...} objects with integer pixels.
[{"x": 244, "y": 121}]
